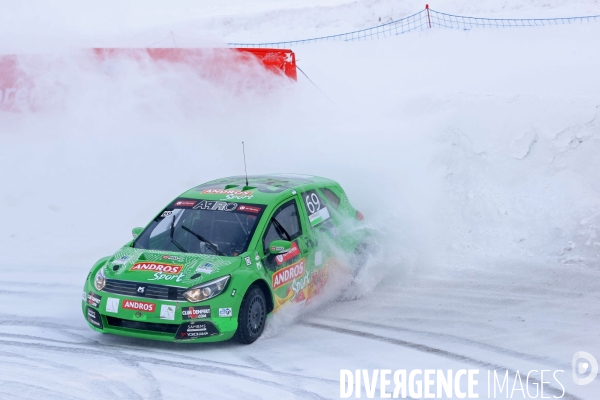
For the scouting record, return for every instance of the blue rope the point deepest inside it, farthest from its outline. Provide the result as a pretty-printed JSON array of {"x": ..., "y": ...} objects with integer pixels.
[
  {"x": 420, "y": 21},
  {"x": 403, "y": 25},
  {"x": 443, "y": 20}
]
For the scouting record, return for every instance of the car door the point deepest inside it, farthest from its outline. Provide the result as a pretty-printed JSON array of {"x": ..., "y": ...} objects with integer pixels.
[
  {"x": 320, "y": 232},
  {"x": 288, "y": 272}
]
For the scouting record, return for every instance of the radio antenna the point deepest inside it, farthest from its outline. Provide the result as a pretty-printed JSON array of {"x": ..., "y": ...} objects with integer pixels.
[{"x": 245, "y": 170}]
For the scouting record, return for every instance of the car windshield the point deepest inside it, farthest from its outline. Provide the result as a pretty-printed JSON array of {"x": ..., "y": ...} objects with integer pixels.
[{"x": 202, "y": 226}]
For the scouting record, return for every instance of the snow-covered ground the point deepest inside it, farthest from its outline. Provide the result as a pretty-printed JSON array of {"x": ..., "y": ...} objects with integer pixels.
[{"x": 474, "y": 153}]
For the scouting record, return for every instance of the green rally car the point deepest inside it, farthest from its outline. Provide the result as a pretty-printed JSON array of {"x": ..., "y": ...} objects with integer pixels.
[{"x": 221, "y": 257}]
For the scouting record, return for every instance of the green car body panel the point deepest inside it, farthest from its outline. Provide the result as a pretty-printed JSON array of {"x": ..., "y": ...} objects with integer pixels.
[{"x": 143, "y": 288}]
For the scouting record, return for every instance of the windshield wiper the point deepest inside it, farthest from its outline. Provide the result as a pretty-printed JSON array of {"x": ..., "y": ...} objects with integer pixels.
[
  {"x": 208, "y": 244},
  {"x": 282, "y": 230},
  {"x": 180, "y": 247}
]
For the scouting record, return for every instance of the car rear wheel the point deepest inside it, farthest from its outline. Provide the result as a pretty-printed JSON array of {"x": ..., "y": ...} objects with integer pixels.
[
  {"x": 362, "y": 252},
  {"x": 252, "y": 316}
]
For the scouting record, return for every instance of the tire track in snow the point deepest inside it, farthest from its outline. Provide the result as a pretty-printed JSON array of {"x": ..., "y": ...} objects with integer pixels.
[
  {"x": 25, "y": 392},
  {"x": 157, "y": 361},
  {"x": 147, "y": 347},
  {"x": 256, "y": 364},
  {"x": 43, "y": 322},
  {"x": 104, "y": 390},
  {"x": 437, "y": 352},
  {"x": 469, "y": 342},
  {"x": 148, "y": 376}
]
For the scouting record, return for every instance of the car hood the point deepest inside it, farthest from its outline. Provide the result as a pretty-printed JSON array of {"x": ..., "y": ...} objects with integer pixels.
[{"x": 167, "y": 268}]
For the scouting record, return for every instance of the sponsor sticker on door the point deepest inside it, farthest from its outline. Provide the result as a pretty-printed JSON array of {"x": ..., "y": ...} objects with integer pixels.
[{"x": 288, "y": 274}]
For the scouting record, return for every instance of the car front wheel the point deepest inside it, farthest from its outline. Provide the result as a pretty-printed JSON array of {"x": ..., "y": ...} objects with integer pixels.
[{"x": 252, "y": 316}]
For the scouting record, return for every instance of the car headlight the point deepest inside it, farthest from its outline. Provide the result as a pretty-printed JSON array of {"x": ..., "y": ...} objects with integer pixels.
[
  {"x": 206, "y": 290},
  {"x": 100, "y": 279}
]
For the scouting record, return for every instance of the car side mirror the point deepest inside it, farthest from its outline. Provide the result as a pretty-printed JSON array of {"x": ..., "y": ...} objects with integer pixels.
[
  {"x": 136, "y": 231},
  {"x": 279, "y": 246}
]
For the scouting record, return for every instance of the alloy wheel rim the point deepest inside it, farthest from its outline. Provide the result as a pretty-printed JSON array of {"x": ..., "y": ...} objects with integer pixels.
[{"x": 256, "y": 315}]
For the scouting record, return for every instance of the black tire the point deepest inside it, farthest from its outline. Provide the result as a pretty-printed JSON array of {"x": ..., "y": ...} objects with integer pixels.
[
  {"x": 362, "y": 252},
  {"x": 252, "y": 316}
]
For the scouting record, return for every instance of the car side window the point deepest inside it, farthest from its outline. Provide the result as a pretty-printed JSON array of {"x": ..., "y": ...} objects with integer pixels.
[
  {"x": 285, "y": 225},
  {"x": 333, "y": 198}
]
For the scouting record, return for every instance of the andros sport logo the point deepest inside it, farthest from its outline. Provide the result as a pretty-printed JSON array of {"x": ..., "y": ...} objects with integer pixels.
[
  {"x": 288, "y": 274},
  {"x": 157, "y": 267}
]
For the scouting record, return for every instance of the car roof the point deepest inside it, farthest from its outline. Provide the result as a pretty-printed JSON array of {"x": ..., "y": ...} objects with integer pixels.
[{"x": 261, "y": 189}]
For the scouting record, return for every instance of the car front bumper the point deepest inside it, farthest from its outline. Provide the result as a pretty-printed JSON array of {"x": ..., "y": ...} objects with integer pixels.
[{"x": 173, "y": 321}]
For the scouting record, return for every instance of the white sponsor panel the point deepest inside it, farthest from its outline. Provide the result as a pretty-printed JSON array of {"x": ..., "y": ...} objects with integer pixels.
[
  {"x": 167, "y": 312},
  {"x": 319, "y": 216},
  {"x": 112, "y": 305},
  {"x": 225, "y": 312}
]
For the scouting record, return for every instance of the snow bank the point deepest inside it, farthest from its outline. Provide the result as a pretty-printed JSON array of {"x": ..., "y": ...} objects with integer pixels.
[{"x": 138, "y": 23}]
